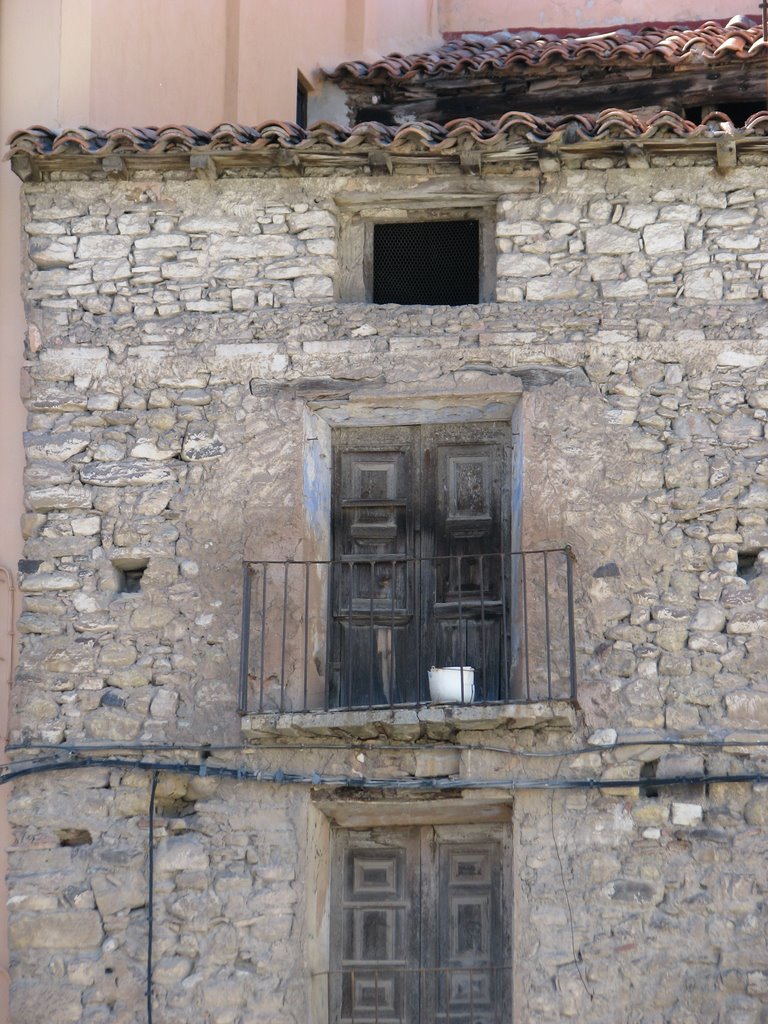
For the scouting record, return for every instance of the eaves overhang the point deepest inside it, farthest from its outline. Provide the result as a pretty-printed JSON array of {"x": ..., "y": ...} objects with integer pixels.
[
  {"x": 511, "y": 52},
  {"x": 39, "y": 153}
]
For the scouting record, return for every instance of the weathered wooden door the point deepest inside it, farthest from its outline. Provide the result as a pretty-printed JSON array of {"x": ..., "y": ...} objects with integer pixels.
[
  {"x": 420, "y": 518},
  {"x": 418, "y": 931},
  {"x": 465, "y": 523},
  {"x": 375, "y": 581}
]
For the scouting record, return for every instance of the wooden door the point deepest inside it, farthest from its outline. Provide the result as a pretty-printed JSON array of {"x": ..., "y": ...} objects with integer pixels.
[
  {"x": 418, "y": 931},
  {"x": 463, "y": 935},
  {"x": 420, "y": 517},
  {"x": 465, "y": 523},
  {"x": 374, "y": 626},
  {"x": 375, "y": 927}
]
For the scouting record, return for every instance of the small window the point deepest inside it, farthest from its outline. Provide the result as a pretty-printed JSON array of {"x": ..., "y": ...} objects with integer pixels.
[
  {"x": 420, "y": 926},
  {"x": 427, "y": 263},
  {"x": 129, "y": 572}
]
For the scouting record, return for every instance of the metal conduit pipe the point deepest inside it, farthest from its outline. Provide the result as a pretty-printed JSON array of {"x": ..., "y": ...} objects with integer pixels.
[{"x": 7, "y": 576}]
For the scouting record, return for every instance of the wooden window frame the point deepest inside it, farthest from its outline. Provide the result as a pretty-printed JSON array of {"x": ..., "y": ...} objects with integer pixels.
[{"x": 358, "y": 215}]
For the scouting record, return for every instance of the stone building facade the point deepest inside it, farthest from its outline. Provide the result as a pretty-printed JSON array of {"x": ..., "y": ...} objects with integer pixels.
[{"x": 200, "y": 335}]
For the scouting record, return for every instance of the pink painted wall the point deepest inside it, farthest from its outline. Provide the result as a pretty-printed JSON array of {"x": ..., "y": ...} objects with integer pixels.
[
  {"x": 487, "y": 15},
  {"x": 203, "y": 62}
]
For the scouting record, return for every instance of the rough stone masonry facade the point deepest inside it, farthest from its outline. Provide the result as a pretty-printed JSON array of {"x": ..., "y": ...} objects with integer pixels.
[{"x": 180, "y": 329}]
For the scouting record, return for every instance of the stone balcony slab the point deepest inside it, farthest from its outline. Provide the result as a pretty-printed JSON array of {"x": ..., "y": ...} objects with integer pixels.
[{"x": 444, "y": 722}]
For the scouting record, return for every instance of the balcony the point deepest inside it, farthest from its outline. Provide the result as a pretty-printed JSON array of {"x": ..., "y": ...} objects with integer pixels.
[{"x": 360, "y": 634}]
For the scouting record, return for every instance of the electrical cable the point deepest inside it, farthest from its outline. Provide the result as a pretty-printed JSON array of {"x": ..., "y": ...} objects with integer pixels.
[
  {"x": 412, "y": 783},
  {"x": 151, "y": 890},
  {"x": 366, "y": 745},
  {"x": 576, "y": 963}
]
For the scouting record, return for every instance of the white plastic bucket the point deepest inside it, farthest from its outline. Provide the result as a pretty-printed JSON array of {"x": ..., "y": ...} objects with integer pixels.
[{"x": 445, "y": 685}]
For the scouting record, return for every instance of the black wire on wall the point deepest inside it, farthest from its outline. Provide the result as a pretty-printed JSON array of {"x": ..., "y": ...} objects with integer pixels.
[{"x": 151, "y": 890}]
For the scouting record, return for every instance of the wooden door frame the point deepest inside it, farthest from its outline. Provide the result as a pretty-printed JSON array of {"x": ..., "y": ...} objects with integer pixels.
[{"x": 427, "y": 839}]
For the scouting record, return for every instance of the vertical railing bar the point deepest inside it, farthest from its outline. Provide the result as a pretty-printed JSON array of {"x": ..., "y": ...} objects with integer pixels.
[
  {"x": 306, "y": 631},
  {"x": 352, "y": 995},
  {"x": 376, "y": 990},
  {"x": 525, "y": 630},
  {"x": 414, "y": 576},
  {"x": 348, "y": 672},
  {"x": 264, "y": 570},
  {"x": 462, "y": 640},
  {"x": 482, "y": 633},
  {"x": 471, "y": 996},
  {"x": 329, "y": 590},
  {"x": 548, "y": 638},
  {"x": 285, "y": 630},
  {"x": 370, "y": 635},
  {"x": 392, "y": 673},
  {"x": 505, "y": 618},
  {"x": 245, "y": 640},
  {"x": 569, "y": 560}
]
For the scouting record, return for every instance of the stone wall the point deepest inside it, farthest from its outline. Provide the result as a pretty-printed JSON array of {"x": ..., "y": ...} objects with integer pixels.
[{"x": 177, "y": 331}]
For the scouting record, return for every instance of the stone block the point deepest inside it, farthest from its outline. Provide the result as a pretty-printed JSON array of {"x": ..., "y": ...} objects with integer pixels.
[
  {"x": 181, "y": 853},
  {"x": 170, "y": 971},
  {"x": 107, "y": 723},
  {"x": 129, "y": 473},
  {"x": 603, "y": 738},
  {"x": 45, "y": 1000},
  {"x": 188, "y": 270},
  {"x": 252, "y": 247},
  {"x": 706, "y": 283},
  {"x": 116, "y": 893},
  {"x": 55, "y": 446},
  {"x": 59, "y": 929},
  {"x": 747, "y": 707},
  {"x": 49, "y": 499},
  {"x": 166, "y": 240},
  {"x": 555, "y": 286},
  {"x": 611, "y": 240},
  {"x": 663, "y": 238},
  {"x": 635, "y": 890},
  {"x": 103, "y": 247},
  {"x": 46, "y": 582},
  {"x": 313, "y": 287},
  {"x": 47, "y": 253},
  {"x": 686, "y": 814},
  {"x": 521, "y": 265},
  {"x": 111, "y": 270},
  {"x": 635, "y": 288},
  {"x": 201, "y": 444},
  {"x": 210, "y": 224}
]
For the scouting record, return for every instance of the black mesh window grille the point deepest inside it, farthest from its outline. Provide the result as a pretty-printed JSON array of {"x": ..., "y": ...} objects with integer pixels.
[{"x": 427, "y": 263}]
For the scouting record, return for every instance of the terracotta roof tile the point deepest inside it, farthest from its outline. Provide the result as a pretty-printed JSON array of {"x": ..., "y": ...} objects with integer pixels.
[
  {"x": 508, "y": 51},
  {"x": 423, "y": 136}
]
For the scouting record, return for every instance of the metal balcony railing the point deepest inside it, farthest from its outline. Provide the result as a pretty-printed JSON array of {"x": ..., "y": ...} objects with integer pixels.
[{"x": 363, "y": 632}]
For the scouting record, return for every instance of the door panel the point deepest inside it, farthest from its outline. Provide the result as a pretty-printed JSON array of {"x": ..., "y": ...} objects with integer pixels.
[
  {"x": 373, "y": 627},
  {"x": 420, "y": 515},
  {"x": 375, "y": 928},
  {"x": 418, "y": 933},
  {"x": 463, "y": 614}
]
